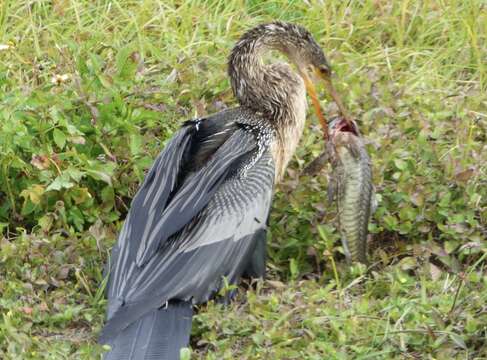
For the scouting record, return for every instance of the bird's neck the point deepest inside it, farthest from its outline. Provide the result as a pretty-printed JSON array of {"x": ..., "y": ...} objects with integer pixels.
[
  {"x": 289, "y": 130},
  {"x": 274, "y": 91},
  {"x": 263, "y": 88}
]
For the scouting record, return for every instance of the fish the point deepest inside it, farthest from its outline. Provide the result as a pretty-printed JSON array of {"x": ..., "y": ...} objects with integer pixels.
[{"x": 350, "y": 184}]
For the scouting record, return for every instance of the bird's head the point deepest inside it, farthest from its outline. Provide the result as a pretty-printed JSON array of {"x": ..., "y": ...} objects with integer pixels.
[
  {"x": 297, "y": 43},
  {"x": 311, "y": 63}
]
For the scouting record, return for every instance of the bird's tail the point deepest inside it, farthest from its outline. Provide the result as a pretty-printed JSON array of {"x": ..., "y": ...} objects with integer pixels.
[{"x": 159, "y": 335}]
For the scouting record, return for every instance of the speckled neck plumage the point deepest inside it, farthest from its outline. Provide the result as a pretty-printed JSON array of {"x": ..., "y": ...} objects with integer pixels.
[{"x": 275, "y": 91}]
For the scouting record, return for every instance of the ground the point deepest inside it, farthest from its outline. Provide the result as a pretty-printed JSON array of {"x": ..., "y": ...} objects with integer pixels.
[{"x": 91, "y": 90}]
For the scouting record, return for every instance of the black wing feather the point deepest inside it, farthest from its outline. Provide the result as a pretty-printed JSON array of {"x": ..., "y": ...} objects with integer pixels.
[
  {"x": 211, "y": 220},
  {"x": 193, "y": 195}
]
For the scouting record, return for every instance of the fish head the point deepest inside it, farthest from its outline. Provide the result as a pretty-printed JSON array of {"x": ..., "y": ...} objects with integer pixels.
[
  {"x": 344, "y": 136},
  {"x": 339, "y": 124}
]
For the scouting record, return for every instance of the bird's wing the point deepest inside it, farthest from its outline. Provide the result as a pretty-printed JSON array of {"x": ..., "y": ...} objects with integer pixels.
[
  {"x": 205, "y": 233},
  {"x": 190, "y": 198}
]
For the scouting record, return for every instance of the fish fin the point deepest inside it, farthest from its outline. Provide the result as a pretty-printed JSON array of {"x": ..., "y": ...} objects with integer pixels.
[{"x": 315, "y": 166}]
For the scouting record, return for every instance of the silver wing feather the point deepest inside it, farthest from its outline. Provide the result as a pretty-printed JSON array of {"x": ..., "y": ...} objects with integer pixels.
[{"x": 182, "y": 250}]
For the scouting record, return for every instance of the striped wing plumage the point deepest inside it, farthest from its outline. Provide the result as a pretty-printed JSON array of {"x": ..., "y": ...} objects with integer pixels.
[{"x": 179, "y": 244}]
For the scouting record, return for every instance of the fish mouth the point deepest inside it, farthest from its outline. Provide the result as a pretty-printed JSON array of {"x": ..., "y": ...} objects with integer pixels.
[{"x": 342, "y": 125}]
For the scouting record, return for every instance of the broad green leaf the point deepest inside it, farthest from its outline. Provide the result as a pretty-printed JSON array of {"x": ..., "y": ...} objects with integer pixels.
[
  {"x": 80, "y": 195},
  {"x": 135, "y": 144},
  {"x": 28, "y": 207},
  {"x": 100, "y": 175},
  {"x": 34, "y": 193},
  {"x": 74, "y": 173},
  {"x": 59, "y": 138},
  {"x": 60, "y": 182},
  {"x": 400, "y": 164},
  {"x": 108, "y": 198}
]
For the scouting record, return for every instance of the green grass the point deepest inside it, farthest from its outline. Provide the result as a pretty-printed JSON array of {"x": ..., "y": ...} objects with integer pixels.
[{"x": 91, "y": 90}]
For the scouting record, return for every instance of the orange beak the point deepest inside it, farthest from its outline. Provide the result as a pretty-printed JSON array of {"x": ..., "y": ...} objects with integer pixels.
[
  {"x": 334, "y": 95},
  {"x": 316, "y": 104}
]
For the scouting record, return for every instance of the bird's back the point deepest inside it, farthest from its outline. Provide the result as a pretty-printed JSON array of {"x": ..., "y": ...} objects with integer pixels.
[{"x": 196, "y": 219}]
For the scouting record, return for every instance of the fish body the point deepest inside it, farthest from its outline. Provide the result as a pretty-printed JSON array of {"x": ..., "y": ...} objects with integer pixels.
[{"x": 351, "y": 185}]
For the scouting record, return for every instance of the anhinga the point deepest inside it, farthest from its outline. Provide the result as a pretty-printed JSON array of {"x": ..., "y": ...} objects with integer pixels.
[{"x": 200, "y": 215}]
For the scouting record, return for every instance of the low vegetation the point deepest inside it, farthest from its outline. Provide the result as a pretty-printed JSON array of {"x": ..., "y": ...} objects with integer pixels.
[{"x": 90, "y": 91}]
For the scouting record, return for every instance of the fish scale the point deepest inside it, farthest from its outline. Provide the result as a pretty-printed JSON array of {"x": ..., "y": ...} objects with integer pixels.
[{"x": 354, "y": 181}]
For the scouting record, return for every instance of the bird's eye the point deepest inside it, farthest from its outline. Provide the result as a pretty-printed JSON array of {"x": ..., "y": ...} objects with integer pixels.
[{"x": 324, "y": 70}]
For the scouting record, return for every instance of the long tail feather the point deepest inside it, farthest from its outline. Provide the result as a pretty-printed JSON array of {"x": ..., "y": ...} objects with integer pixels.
[{"x": 159, "y": 335}]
